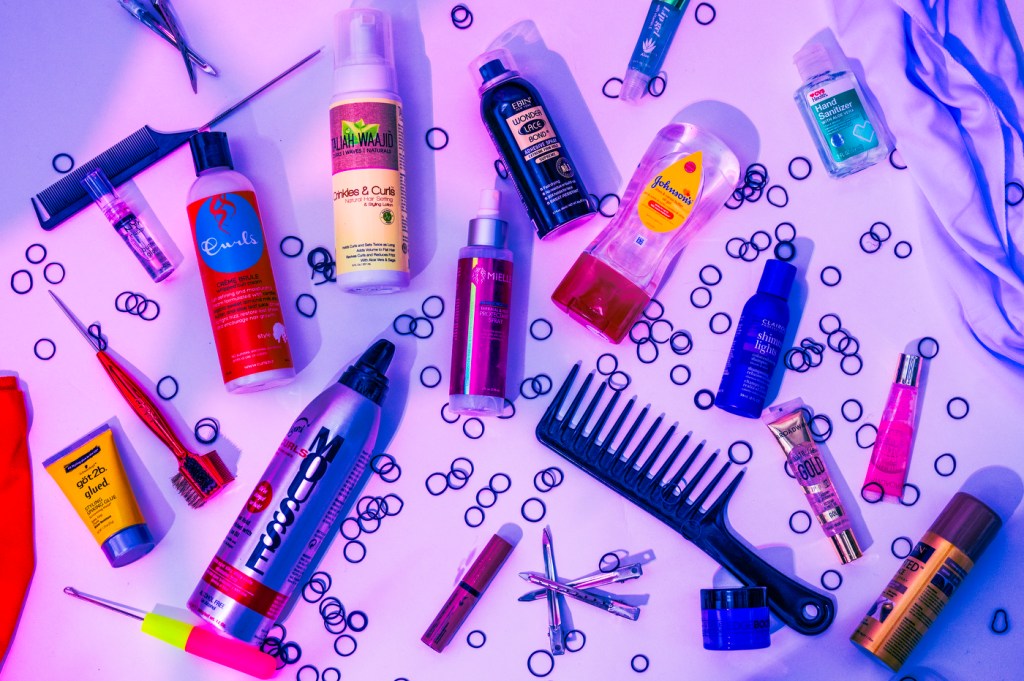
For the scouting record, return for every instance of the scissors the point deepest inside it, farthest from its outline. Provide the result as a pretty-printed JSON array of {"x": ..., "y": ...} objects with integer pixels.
[{"x": 166, "y": 25}]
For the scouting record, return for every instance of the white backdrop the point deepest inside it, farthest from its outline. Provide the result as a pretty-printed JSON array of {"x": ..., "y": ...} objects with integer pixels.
[{"x": 77, "y": 77}]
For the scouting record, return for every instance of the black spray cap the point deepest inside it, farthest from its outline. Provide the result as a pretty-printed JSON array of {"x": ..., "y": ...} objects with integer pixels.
[
  {"x": 366, "y": 376},
  {"x": 492, "y": 69},
  {"x": 777, "y": 278},
  {"x": 210, "y": 150}
]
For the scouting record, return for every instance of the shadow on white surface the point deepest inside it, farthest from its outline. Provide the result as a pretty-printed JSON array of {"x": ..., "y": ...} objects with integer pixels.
[{"x": 148, "y": 493}]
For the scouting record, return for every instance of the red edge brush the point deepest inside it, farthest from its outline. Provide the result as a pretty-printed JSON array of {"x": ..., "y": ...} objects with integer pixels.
[{"x": 199, "y": 476}]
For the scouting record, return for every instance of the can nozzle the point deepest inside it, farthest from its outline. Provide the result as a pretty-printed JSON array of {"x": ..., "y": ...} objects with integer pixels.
[{"x": 367, "y": 376}]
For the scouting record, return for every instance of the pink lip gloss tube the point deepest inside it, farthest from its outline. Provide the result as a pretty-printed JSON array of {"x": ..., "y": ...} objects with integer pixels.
[
  {"x": 890, "y": 458},
  {"x": 472, "y": 586}
]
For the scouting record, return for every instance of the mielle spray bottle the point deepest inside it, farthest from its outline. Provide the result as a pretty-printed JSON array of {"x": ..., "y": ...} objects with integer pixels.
[
  {"x": 368, "y": 157},
  {"x": 311, "y": 481},
  {"x": 682, "y": 181},
  {"x": 234, "y": 263},
  {"x": 483, "y": 315}
]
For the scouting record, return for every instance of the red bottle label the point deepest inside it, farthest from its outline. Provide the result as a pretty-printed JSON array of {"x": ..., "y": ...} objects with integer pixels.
[
  {"x": 483, "y": 298},
  {"x": 248, "y": 327}
]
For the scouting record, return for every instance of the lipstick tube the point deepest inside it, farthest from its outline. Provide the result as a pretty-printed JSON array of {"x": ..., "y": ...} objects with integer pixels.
[{"x": 468, "y": 591}]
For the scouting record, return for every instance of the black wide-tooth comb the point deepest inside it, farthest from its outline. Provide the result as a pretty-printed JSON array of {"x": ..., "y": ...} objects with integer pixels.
[{"x": 793, "y": 602}]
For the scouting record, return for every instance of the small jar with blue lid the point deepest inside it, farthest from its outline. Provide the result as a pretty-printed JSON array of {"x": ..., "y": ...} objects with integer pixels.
[{"x": 735, "y": 619}]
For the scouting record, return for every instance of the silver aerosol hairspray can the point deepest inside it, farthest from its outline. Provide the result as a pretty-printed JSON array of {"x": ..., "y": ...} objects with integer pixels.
[{"x": 276, "y": 538}]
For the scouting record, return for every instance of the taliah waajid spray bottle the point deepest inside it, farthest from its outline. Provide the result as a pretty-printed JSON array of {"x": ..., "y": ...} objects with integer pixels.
[
  {"x": 234, "y": 263},
  {"x": 682, "y": 181},
  {"x": 483, "y": 307},
  {"x": 312, "y": 479},
  {"x": 368, "y": 157}
]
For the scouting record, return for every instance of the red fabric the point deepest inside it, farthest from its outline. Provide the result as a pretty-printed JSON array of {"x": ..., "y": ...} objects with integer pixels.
[{"x": 18, "y": 547}]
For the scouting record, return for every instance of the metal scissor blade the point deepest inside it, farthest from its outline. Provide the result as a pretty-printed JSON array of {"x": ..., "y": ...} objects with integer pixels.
[{"x": 167, "y": 14}]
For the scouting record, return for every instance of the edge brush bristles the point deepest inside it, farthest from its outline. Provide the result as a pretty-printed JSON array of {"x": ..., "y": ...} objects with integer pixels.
[{"x": 199, "y": 477}]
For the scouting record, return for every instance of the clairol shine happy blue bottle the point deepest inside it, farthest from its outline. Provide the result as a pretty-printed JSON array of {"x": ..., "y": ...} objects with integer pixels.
[
  {"x": 758, "y": 343},
  {"x": 524, "y": 134}
]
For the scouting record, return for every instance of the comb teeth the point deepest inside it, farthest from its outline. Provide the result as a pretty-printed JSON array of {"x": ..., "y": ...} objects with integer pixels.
[
  {"x": 622, "y": 466},
  {"x": 200, "y": 477},
  {"x": 113, "y": 161},
  {"x": 617, "y": 468}
]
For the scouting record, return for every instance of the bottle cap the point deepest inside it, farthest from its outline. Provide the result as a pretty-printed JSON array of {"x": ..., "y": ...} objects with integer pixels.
[
  {"x": 634, "y": 85},
  {"x": 600, "y": 298},
  {"x": 845, "y": 544},
  {"x": 739, "y": 597},
  {"x": 908, "y": 371},
  {"x": 487, "y": 229},
  {"x": 812, "y": 60},
  {"x": 492, "y": 66},
  {"x": 364, "y": 57},
  {"x": 968, "y": 524},
  {"x": 128, "y": 545},
  {"x": 210, "y": 150},
  {"x": 777, "y": 278},
  {"x": 97, "y": 184},
  {"x": 366, "y": 376}
]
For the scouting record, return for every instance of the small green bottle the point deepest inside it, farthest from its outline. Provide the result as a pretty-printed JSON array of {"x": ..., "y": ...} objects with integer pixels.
[{"x": 840, "y": 120}]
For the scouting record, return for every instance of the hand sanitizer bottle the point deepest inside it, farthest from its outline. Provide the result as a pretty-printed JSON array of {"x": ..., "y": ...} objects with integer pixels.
[{"x": 841, "y": 121}]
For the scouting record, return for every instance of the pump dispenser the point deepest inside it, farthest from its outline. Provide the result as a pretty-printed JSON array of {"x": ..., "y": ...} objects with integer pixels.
[
  {"x": 368, "y": 157},
  {"x": 483, "y": 304}
]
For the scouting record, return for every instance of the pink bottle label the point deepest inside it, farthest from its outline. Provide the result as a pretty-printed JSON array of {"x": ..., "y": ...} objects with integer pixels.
[
  {"x": 483, "y": 298},
  {"x": 809, "y": 468},
  {"x": 890, "y": 457},
  {"x": 234, "y": 264}
]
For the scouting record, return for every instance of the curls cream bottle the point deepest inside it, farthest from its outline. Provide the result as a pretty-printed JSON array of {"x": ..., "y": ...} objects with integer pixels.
[{"x": 368, "y": 157}]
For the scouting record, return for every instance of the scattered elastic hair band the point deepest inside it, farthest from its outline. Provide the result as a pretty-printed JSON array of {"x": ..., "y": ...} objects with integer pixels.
[
  {"x": 892, "y": 160},
  {"x": 601, "y": 208},
  {"x": 542, "y": 322},
  {"x": 160, "y": 391},
  {"x": 204, "y": 425},
  {"x": 1020, "y": 192},
  {"x": 46, "y": 272},
  {"x": 807, "y": 163},
  {"x": 289, "y": 254},
  {"x": 307, "y": 313},
  {"x": 428, "y": 137},
  {"x": 462, "y": 18},
  {"x": 433, "y": 371},
  {"x": 29, "y": 250},
  {"x": 604, "y": 88},
  {"x": 655, "y": 92},
  {"x": 705, "y": 20},
  {"x": 14, "y": 285},
  {"x": 44, "y": 342},
  {"x": 65, "y": 160}
]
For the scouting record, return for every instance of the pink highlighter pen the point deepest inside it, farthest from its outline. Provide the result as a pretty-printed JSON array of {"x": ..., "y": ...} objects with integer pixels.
[
  {"x": 890, "y": 458},
  {"x": 471, "y": 587}
]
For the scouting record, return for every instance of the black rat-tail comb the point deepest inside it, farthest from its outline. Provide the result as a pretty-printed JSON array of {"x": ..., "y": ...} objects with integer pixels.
[{"x": 666, "y": 498}]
